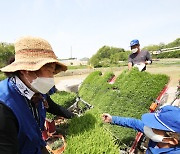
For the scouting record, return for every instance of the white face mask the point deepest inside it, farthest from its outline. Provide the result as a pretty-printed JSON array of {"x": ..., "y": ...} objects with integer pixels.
[
  {"x": 154, "y": 137},
  {"x": 134, "y": 50},
  {"x": 42, "y": 84}
]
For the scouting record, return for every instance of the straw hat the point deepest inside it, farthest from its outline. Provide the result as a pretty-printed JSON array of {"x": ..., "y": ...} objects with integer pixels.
[{"x": 31, "y": 53}]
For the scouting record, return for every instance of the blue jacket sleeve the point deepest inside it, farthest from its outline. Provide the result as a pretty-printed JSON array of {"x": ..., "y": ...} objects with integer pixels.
[{"x": 128, "y": 122}]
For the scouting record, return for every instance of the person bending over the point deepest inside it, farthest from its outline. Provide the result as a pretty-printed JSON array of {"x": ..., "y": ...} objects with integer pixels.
[{"x": 161, "y": 127}]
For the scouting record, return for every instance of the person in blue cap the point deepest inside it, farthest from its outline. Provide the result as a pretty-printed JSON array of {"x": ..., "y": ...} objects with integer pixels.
[
  {"x": 138, "y": 58},
  {"x": 161, "y": 127}
]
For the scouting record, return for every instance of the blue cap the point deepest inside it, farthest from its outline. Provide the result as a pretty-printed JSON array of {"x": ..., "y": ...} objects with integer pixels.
[
  {"x": 167, "y": 119},
  {"x": 134, "y": 42}
]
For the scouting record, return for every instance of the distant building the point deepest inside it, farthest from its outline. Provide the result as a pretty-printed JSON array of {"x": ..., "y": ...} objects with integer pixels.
[{"x": 74, "y": 62}]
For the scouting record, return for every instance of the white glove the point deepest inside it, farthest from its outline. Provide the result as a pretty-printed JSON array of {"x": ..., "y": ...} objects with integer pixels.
[{"x": 148, "y": 62}]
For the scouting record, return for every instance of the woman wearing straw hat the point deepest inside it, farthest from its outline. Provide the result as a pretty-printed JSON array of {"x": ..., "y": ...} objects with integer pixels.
[{"x": 22, "y": 104}]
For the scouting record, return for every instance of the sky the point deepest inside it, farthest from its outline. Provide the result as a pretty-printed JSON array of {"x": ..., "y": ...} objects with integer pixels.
[{"x": 79, "y": 28}]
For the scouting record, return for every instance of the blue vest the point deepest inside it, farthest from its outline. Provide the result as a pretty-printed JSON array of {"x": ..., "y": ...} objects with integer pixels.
[{"x": 29, "y": 134}]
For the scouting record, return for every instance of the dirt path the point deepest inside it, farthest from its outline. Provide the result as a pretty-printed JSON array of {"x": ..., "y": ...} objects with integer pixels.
[{"x": 173, "y": 71}]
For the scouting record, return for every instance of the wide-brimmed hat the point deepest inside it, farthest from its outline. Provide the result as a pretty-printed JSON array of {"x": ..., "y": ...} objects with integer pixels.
[
  {"x": 167, "y": 119},
  {"x": 31, "y": 53}
]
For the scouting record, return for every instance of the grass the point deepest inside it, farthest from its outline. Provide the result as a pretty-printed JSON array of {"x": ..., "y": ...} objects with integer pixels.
[
  {"x": 130, "y": 96},
  {"x": 78, "y": 67}
]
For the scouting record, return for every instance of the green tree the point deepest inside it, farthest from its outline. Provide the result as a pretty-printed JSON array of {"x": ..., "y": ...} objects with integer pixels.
[
  {"x": 175, "y": 43},
  {"x": 106, "y": 56},
  {"x": 94, "y": 61},
  {"x": 162, "y": 45},
  {"x": 151, "y": 48},
  {"x": 114, "y": 58},
  {"x": 6, "y": 51},
  {"x": 123, "y": 56}
]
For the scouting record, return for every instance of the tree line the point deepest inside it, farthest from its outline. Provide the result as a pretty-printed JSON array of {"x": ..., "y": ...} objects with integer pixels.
[
  {"x": 106, "y": 56},
  {"x": 6, "y": 52},
  {"x": 109, "y": 56}
]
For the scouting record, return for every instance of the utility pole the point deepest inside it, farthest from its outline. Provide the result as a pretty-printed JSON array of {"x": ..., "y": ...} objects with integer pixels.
[{"x": 71, "y": 52}]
